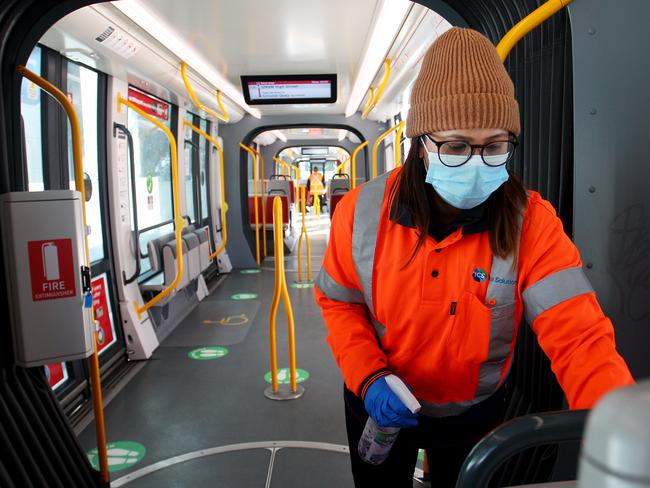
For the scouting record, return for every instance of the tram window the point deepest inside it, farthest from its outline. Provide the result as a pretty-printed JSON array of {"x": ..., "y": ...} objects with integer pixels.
[
  {"x": 30, "y": 106},
  {"x": 152, "y": 169},
  {"x": 82, "y": 87}
]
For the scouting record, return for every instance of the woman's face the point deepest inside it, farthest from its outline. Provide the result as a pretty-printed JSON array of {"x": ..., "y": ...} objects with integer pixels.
[{"x": 473, "y": 136}]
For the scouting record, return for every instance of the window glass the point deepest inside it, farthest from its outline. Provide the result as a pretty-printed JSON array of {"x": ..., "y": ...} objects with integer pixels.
[
  {"x": 82, "y": 87},
  {"x": 203, "y": 170},
  {"x": 153, "y": 181},
  {"x": 30, "y": 108}
]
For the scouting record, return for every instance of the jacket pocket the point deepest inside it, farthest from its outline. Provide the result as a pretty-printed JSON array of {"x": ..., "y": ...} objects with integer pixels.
[{"x": 470, "y": 335}]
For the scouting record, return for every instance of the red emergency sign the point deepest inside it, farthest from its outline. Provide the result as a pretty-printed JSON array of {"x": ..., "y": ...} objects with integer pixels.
[
  {"x": 103, "y": 315},
  {"x": 51, "y": 267},
  {"x": 150, "y": 105},
  {"x": 56, "y": 374}
]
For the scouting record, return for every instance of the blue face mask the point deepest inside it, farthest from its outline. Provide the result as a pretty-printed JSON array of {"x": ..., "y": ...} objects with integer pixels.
[{"x": 465, "y": 186}]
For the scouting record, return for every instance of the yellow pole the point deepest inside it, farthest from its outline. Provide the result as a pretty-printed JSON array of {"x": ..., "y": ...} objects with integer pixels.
[
  {"x": 303, "y": 232},
  {"x": 398, "y": 146},
  {"x": 179, "y": 222},
  {"x": 260, "y": 159},
  {"x": 353, "y": 165},
  {"x": 375, "y": 146},
  {"x": 339, "y": 168},
  {"x": 257, "y": 217},
  {"x": 95, "y": 379},
  {"x": 527, "y": 24},
  {"x": 281, "y": 291},
  {"x": 223, "y": 116},
  {"x": 316, "y": 204},
  {"x": 224, "y": 205}
]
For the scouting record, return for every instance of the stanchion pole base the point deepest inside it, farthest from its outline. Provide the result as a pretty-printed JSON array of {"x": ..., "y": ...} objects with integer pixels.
[{"x": 284, "y": 393}]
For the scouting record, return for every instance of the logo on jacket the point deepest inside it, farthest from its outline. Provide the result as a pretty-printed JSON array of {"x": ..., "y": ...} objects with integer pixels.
[{"x": 479, "y": 275}]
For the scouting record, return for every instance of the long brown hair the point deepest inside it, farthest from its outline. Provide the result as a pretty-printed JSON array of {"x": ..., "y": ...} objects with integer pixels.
[{"x": 503, "y": 209}]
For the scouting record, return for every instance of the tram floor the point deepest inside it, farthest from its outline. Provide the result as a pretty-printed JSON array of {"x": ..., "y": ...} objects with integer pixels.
[{"x": 208, "y": 423}]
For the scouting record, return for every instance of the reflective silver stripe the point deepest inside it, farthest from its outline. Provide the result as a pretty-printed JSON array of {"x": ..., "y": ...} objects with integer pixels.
[
  {"x": 501, "y": 292},
  {"x": 364, "y": 233},
  {"x": 553, "y": 290},
  {"x": 332, "y": 290},
  {"x": 448, "y": 409}
]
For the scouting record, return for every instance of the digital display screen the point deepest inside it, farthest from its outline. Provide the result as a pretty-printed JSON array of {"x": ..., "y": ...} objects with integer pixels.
[
  {"x": 314, "y": 151},
  {"x": 260, "y": 90}
]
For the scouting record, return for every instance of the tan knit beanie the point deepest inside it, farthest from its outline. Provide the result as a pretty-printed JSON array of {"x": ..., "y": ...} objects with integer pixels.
[{"x": 462, "y": 85}]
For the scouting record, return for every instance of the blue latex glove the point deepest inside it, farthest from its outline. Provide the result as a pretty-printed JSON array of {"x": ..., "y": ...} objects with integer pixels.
[{"x": 385, "y": 408}]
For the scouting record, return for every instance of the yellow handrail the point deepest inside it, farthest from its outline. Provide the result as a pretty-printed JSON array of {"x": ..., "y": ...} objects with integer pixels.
[
  {"x": 261, "y": 162},
  {"x": 527, "y": 24},
  {"x": 224, "y": 204},
  {"x": 340, "y": 167},
  {"x": 281, "y": 291},
  {"x": 224, "y": 117},
  {"x": 257, "y": 217},
  {"x": 380, "y": 90},
  {"x": 95, "y": 379},
  {"x": 303, "y": 232},
  {"x": 353, "y": 169},
  {"x": 179, "y": 222},
  {"x": 375, "y": 146},
  {"x": 398, "y": 145},
  {"x": 285, "y": 165}
]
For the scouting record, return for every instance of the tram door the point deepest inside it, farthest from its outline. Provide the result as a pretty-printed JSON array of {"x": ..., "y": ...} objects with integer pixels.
[{"x": 49, "y": 166}]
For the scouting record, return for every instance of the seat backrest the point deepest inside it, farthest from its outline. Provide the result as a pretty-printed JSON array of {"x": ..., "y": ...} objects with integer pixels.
[
  {"x": 339, "y": 186},
  {"x": 154, "y": 249},
  {"x": 278, "y": 187}
]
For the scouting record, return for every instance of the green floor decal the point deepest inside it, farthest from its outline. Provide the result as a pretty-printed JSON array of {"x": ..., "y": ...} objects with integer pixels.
[
  {"x": 284, "y": 376},
  {"x": 421, "y": 455},
  {"x": 244, "y": 296},
  {"x": 121, "y": 455},
  {"x": 206, "y": 353},
  {"x": 302, "y": 285},
  {"x": 250, "y": 271}
]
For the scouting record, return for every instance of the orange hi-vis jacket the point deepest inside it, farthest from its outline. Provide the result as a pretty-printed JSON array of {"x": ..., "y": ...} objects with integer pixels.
[
  {"x": 447, "y": 323},
  {"x": 316, "y": 186}
]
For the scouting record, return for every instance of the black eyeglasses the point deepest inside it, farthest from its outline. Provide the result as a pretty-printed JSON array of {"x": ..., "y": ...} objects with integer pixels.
[{"x": 457, "y": 153}]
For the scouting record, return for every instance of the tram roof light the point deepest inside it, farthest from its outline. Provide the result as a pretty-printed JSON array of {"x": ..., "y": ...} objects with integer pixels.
[
  {"x": 389, "y": 20},
  {"x": 164, "y": 34}
]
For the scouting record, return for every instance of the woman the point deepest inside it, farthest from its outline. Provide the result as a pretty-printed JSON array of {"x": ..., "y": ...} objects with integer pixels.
[{"x": 430, "y": 268}]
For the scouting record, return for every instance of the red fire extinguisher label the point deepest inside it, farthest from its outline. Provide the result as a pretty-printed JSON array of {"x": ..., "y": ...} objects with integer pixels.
[{"x": 52, "y": 269}]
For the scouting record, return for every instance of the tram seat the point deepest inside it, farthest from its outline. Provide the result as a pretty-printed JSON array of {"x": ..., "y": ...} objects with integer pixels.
[
  {"x": 281, "y": 190},
  {"x": 203, "y": 234},
  {"x": 170, "y": 264},
  {"x": 337, "y": 189},
  {"x": 154, "y": 250},
  {"x": 251, "y": 208},
  {"x": 292, "y": 192},
  {"x": 192, "y": 259}
]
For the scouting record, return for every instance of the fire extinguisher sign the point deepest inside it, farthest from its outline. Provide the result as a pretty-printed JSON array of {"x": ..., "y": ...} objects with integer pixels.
[{"x": 52, "y": 269}]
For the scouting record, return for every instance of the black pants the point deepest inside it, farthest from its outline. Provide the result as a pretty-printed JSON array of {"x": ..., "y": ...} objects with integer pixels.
[{"x": 447, "y": 442}]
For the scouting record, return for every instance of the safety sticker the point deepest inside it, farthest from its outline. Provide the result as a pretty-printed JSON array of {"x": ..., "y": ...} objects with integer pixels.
[
  {"x": 51, "y": 268},
  {"x": 207, "y": 353},
  {"x": 121, "y": 455},
  {"x": 284, "y": 376}
]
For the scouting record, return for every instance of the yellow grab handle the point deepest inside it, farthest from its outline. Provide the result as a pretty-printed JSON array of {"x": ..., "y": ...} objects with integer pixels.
[
  {"x": 223, "y": 116},
  {"x": 375, "y": 146},
  {"x": 77, "y": 159},
  {"x": 527, "y": 24},
  {"x": 257, "y": 217},
  {"x": 353, "y": 169},
  {"x": 284, "y": 164},
  {"x": 178, "y": 218},
  {"x": 224, "y": 205},
  {"x": 380, "y": 90},
  {"x": 340, "y": 167}
]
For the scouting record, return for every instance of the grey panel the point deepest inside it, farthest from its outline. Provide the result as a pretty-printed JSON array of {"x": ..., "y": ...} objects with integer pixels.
[
  {"x": 612, "y": 203},
  {"x": 233, "y": 469},
  {"x": 309, "y": 468},
  {"x": 200, "y": 327}
]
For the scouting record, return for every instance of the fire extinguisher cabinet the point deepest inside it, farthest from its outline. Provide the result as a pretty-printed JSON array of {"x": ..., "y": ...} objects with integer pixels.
[{"x": 43, "y": 249}]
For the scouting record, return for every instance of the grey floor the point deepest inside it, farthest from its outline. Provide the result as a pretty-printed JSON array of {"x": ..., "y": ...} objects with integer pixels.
[{"x": 176, "y": 405}]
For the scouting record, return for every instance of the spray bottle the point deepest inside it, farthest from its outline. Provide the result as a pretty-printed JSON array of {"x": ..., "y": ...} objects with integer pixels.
[{"x": 376, "y": 442}]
